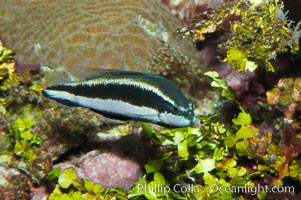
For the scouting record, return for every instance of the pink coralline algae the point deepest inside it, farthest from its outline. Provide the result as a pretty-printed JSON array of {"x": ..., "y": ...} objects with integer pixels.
[{"x": 108, "y": 169}]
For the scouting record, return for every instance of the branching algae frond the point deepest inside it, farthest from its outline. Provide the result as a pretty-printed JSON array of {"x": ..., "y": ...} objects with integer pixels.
[
  {"x": 191, "y": 157},
  {"x": 259, "y": 31},
  {"x": 24, "y": 139}
]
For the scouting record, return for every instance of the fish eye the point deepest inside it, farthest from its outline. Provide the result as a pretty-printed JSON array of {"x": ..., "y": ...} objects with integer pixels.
[{"x": 175, "y": 110}]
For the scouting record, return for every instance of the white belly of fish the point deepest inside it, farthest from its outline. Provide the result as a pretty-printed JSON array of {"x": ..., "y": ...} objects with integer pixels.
[{"x": 108, "y": 105}]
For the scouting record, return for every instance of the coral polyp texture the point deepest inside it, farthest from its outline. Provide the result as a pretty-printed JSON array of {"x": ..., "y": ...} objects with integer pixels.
[{"x": 85, "y": 34}]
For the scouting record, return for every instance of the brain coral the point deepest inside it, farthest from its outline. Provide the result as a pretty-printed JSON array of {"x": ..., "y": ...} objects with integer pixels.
[{"x": 83, "y": 34}]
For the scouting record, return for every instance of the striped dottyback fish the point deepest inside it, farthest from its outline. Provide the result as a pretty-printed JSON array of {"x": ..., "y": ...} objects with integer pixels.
[{"x": 128, "y": 95}]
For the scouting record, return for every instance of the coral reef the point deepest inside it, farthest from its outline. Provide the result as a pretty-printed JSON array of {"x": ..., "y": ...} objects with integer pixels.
[
  {"x": 79, "y": 35},
  {"x": 247, "y": 149},
  {"x": 179, "y": 63}
]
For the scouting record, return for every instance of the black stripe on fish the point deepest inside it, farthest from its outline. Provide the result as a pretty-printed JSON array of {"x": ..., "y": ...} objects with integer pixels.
[{"x": 128, "y": 95}]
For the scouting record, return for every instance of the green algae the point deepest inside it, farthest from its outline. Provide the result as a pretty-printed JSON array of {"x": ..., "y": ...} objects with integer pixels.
[{"x": 259, "y": 31}]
